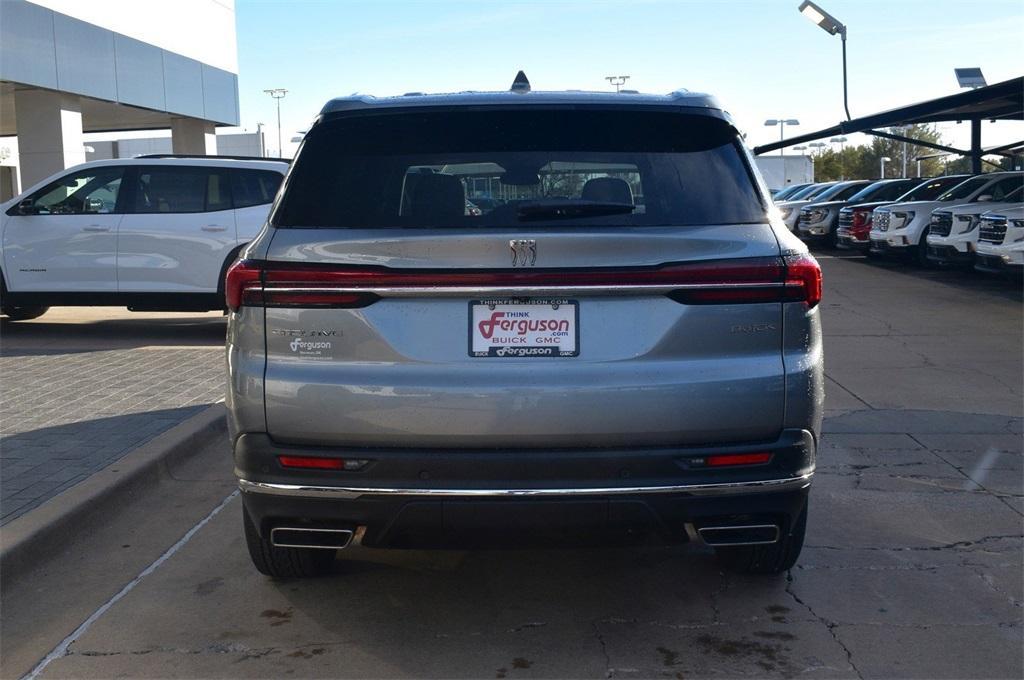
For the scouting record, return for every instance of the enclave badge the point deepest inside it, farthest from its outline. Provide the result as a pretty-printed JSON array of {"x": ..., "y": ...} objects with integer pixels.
[{"x": 524, "y": 252}]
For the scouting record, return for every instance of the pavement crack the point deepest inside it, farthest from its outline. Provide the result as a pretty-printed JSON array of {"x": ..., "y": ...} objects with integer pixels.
[
  {"x": 830, "y": 625},
  {"x": 531, "y": 624},
  {"x": 608, "y": 670},
  {"x": 948, "y": 546}
]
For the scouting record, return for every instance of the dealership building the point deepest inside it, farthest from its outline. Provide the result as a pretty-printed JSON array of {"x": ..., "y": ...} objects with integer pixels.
[{"x": 69, "y": 67}]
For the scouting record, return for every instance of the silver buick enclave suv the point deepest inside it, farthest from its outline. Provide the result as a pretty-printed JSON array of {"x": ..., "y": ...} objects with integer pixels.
[{"x": 617, "y": 343}]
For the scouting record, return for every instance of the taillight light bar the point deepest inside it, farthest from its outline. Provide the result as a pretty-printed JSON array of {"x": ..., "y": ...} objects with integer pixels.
[{"x": 794, "y": 278}]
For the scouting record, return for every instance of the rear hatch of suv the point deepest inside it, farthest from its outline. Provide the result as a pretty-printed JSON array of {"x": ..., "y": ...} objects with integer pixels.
[{"x": 618, "y": 285}]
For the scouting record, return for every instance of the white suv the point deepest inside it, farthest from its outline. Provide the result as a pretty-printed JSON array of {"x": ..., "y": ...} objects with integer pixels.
[
  {"x": 151, "y": 233},
  {"x": 953, "y": 232},
  {"x": 903, "y": 227},
  {"x": 1001, "y": 241}
]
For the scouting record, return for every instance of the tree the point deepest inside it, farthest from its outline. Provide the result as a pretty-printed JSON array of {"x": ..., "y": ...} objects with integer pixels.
[{"x": 864, "y": 161}]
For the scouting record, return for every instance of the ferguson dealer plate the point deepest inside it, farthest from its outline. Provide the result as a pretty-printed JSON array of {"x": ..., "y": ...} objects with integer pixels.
[{"x": 524, "y": 328}]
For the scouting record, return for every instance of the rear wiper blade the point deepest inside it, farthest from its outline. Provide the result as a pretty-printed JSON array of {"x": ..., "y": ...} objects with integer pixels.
[{"x": 565, "y": 210}]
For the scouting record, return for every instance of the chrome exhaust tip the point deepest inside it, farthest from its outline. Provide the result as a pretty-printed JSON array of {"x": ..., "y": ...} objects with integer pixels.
[
  {"x": 748, "y": 534},
  {"x": 307, "y": 537}
]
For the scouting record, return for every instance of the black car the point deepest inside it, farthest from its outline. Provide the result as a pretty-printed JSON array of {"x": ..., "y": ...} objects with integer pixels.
[{"x": 820, "y": 221}]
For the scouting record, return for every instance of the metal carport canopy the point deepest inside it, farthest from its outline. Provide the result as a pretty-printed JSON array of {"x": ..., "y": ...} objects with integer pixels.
[{"x": 1001, "y": 101}]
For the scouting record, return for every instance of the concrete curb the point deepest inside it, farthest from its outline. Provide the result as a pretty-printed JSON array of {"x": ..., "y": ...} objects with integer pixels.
[{"x": 41, "y": 533}]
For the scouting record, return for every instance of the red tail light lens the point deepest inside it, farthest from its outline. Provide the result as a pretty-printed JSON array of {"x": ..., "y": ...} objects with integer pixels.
[
  {"x": 803, "y": 275},
  {"x": 728, "y": 459},
  {"x": 311, "y": 462},
  {"x": 750, "y": 280},
  {"x": 241, "y": 275},
  {"x": 319, "y": 463}
]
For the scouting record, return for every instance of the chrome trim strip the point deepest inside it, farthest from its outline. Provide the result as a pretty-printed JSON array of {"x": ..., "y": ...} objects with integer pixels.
[
  {"x": 351, "y": 492},
  {"x": 519, "y": 291}
]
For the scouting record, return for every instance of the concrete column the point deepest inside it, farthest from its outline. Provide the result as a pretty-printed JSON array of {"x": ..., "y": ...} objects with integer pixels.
[
  {"x": 193, "y": 136},
  {"x": 49, "y": 126}
]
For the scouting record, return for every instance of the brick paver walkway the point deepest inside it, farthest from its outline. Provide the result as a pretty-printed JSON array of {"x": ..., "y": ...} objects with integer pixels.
[{"x": 66, "y": 415}]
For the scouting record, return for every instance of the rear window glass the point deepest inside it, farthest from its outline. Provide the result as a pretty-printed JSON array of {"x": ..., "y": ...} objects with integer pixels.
[
  {"x": 502, "y": 168},
  {"x": 254, "y": 187}
]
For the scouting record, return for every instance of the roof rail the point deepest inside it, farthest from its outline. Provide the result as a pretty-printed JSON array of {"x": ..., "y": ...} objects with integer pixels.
[{"x": 230, "y": 158}]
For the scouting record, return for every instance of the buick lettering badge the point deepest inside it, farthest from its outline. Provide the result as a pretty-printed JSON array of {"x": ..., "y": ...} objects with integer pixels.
[{"x": 524, "y": 252}]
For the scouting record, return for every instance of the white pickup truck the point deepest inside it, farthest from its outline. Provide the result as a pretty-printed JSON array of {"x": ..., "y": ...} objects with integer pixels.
[
  {"x": 903, "y": 227},
  {"x": 148, "y": 233}
]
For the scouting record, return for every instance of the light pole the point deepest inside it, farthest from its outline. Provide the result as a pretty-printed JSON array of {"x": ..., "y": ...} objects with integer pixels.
[
  {"x": 782, "y": 123},
  {"x": 617, "y": 81},
  {"x": 818, "y": 146},
  {"x": 842, "y": 161},
  {"x": 883, "y": 159},
  {"x": 278, "y": 94},
  {"x": 830, "y": 24}
]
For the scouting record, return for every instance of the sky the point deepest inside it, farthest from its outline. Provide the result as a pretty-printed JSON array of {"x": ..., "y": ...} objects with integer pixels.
[{"x": 761, "y": 58}]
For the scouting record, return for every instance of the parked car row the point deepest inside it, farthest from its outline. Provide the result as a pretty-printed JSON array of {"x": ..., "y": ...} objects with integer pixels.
[{"x": 948, "y": 220}]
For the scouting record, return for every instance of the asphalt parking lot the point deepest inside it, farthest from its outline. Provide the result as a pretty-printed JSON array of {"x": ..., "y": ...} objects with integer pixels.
[{"x": 913, "y": 565}]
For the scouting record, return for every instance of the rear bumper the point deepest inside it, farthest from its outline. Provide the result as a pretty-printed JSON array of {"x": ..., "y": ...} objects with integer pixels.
[{"x": 433, "y": 498}]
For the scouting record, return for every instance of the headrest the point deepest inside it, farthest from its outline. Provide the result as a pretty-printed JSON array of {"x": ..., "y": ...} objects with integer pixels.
[
  {"x": 437, "y": 197},
  {"x": 607, "y": 190}
]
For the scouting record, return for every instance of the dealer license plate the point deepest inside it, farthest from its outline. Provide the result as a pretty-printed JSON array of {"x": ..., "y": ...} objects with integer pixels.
[{"x": 524, "y": 328}]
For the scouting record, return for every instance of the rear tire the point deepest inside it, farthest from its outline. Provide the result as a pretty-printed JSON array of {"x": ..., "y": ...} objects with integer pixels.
[
  {"x": 767, "y": 559},
  {"x": 284, "y": 562},
  {"x": 24, "y": 313}
]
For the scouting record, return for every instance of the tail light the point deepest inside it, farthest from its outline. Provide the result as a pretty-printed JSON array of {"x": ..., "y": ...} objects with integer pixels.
[{"x": 795, "y": 278}]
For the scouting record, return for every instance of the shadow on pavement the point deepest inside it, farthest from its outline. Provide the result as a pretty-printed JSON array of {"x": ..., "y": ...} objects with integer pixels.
[{"x": 52, "y": 337}]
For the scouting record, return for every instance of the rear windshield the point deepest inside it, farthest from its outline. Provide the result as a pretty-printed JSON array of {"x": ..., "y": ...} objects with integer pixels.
[{"x": 498, "y": 168}]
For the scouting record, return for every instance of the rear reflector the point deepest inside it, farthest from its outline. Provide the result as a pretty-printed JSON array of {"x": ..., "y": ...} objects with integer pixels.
[
  {"x": 318, "y": 463},
  {"x": 312, "y": 463},
  {"x": 726, "y": 459},
  {"x": 795, "y": 278}
]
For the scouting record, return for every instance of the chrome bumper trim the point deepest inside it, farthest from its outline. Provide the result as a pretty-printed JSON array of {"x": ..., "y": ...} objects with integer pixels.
[{"x": 351, "y": 493}]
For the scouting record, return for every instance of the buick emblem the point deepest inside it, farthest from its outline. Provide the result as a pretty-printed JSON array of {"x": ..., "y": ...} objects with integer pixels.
[{"x": 524, "y": 252}]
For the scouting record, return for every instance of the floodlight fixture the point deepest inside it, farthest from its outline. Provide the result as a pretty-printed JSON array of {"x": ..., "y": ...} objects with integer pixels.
[
  {"x": 832, "y": 26},
  {"x": 819, "y": 16},
  {"x": 278, "y": 94},
  {"x": 782, "y": 123},
  {"x": 883, "y": 160}
]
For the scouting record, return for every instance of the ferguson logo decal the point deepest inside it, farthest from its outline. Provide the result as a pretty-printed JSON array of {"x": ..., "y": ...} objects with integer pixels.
[{"x": 558, "y": 327}]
